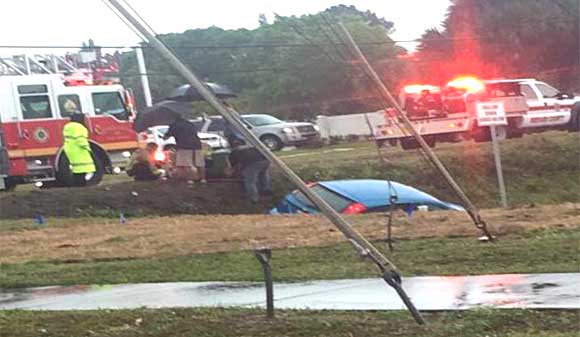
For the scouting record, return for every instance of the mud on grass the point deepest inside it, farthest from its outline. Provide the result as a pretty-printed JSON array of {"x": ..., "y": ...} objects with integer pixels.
[
  {"x": 132, "y": 199},
  {"x": 251, "y": 322}
]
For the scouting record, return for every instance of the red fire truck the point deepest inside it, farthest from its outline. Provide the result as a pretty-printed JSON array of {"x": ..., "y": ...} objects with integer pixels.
[{"x": 33, "y": 111}]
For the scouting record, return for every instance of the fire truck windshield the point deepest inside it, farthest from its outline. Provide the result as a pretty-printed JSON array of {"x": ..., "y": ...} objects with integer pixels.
[{"x": 110, "y": 103}]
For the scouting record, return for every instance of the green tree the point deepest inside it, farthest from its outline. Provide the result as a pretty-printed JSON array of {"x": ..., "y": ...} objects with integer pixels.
[
  {"x": 506, "y": 38},
  {"x": 308, "y": 72}
]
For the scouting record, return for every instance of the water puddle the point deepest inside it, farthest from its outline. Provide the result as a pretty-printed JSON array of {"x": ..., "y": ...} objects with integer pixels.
[{"x": 538, "y": 291}]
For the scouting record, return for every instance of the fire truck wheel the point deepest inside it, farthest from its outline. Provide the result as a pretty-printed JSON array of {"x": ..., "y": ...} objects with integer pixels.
[
  {"x": 9, "y": 185},
  {"x": 96, "y": 177},
  {"x": 64, "y": 175}
]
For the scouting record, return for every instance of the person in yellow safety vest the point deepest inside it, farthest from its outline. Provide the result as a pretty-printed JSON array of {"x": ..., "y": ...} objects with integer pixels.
[{"x": 78, "y": 149}]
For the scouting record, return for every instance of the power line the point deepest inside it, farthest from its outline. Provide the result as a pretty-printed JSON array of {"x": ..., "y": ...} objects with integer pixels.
[
  {"x": 241, "y": 46},
  {"x": 124, "y": 21}
]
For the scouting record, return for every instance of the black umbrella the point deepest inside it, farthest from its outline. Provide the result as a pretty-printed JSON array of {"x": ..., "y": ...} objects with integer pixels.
[
  {"x": 186, "y": 93},
  {"x": 162, "y": 113}
]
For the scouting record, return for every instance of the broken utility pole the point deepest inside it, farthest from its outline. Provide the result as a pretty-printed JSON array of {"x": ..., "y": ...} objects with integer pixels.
[
  {"x": 431, "y": 156},
  {"x": 387, "y": 269}
]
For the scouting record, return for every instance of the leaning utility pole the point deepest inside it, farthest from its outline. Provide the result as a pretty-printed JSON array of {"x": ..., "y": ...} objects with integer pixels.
[
  {"x": 431, "y": 156},
  {"x": 143, "y": 75},
  {"x": 388, "y": 270}
]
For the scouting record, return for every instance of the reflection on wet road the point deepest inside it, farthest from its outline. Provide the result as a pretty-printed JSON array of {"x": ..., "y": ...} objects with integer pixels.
[{"x": 549, "y": 291}]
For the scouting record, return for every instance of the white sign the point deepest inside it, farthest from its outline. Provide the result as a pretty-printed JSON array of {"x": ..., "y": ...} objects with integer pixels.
[
  {"x": 88, "y": 56},
  {"x": 490, "y": 114}
]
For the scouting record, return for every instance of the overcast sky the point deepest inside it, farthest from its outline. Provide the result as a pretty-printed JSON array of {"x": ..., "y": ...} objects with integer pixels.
[{"x": 69, "y": 22}]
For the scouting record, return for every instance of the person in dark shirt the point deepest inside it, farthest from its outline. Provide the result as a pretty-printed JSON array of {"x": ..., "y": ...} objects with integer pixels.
[
  {"x": 254, "y": 169},
  {"x": 188, "y": 146},
  {"x": 429, "y": 102}
]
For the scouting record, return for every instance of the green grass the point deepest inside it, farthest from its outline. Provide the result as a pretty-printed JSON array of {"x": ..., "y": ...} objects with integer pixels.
[
  {"x": 531, "y": 252},
  {"x": 250, "y": 322},
  {"x": 541, "y": 168}
]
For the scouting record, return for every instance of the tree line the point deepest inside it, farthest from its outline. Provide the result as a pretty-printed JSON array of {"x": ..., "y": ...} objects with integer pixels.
[{"x": 299, "y": 67}]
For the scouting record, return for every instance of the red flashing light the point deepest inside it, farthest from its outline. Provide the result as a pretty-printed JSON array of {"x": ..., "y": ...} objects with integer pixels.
[
  {"x": 418, "y": 88},
  {"x": 468, "y": 83},
  {"x": 354, "y": 208}
]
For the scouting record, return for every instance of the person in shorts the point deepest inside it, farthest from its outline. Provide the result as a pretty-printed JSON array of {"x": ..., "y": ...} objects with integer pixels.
[{"x": 189, "y": 149}]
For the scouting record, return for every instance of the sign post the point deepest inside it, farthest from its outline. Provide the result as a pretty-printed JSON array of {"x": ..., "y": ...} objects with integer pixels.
[{"x": 493, "y": 115}]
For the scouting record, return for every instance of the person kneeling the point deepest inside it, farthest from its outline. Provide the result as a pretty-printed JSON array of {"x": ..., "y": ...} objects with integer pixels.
[{"x": 142, "y": 164}]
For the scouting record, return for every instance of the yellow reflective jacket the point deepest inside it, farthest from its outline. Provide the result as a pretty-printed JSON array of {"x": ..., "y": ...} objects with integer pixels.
[{"x": 77, "y": 148}]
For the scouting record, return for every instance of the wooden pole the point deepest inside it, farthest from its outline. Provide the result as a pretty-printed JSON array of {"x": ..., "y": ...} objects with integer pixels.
[
  {"x": 471, "y": 209},
  {"x": 388, "y": 270},
  {"x": 264, "y": 256}
]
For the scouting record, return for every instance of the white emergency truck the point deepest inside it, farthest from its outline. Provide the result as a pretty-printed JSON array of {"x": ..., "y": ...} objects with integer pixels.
[{"x": 450, "y": 114}]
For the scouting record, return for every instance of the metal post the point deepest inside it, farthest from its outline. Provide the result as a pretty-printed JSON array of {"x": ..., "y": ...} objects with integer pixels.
[
  {"x": 498, "y": 168},
  {"x": 143, "y": 76},
  {"x": 54, "y": 63},
  {"x": 355, "y": 238},
  {"x": 264, "y": 256},
  {"x": 27, "y": 64},
  {"x": 471, "y": 209},
  {"x": 379, "y": 152}
]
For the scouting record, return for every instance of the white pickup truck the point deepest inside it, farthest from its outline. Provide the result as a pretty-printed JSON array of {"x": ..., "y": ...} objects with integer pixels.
[
  {"x": 530, "y": 106},
  {"x": 548, "y": 108}
]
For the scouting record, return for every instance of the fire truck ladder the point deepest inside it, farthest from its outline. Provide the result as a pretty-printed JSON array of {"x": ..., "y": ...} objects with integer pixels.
[{"x": 34, "y": 65}]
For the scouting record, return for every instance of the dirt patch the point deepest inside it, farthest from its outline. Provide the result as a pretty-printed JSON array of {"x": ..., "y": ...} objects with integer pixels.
[
  {"x": 159, "y": 237},
  {"x": 131, "y": 198}
]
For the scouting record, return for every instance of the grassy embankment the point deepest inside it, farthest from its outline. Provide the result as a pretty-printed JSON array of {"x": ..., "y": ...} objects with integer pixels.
[{"x": 540, "y": 168}]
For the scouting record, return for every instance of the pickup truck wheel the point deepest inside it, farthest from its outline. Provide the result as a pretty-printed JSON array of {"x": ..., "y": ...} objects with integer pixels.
[
  {"x": 481, "y": 134},
  {"x": 574, "y": 125},
  {"x": 272, "y": 142},
  {"x": 380, "y": 143},
  {"x": 409, "y": 144}
]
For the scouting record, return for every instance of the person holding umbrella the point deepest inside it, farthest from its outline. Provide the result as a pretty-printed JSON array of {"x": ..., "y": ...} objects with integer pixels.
[{"x": 189, "y": 148}]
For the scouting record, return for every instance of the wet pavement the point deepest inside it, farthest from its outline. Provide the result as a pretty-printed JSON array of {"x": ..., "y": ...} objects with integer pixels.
[{"x": 539, "y": 291}]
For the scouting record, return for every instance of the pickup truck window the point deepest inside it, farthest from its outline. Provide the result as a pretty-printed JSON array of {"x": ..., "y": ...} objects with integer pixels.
[
  {"x": 528, "y": 92},
  {"x": 547, "y": 91}
]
